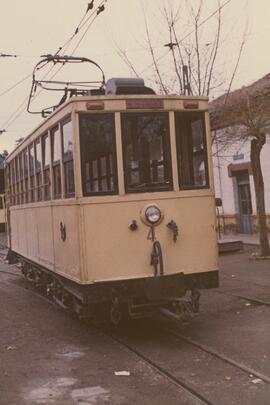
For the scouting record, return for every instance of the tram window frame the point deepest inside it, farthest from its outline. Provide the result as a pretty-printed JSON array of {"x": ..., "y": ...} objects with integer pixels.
[
  {"x": 38, "y": 169},
  {"x": 166, "y": 159},
  {"x": 21, "y": 179},
  {"x": 17, "y": 187},
  {"x": 186, "y": 153},
  {"x": 31, "y": 157},
  {"x": 8, "y": 182},
  {"x": 25, "y": 154},
  {"x": 13, "y": 180},
  {"x": 68, "y": 159},
  {"x": 46, "y": 166},
  {"x": 56, "y": 163},
  {"x": 111, "y": 176}
]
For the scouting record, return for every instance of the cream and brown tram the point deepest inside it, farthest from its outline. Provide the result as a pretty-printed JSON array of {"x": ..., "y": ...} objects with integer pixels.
[{"x": 111, "y": 203}]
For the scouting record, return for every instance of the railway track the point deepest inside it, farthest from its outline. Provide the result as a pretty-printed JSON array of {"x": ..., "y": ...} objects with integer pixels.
[
  {"x": 256, "y": 301},
  {"x": 248, "y": 370},
  {"x": 180, "y": 383},
  {"x": 248, "y": 373},
  {"x": 169, "y": 331}
]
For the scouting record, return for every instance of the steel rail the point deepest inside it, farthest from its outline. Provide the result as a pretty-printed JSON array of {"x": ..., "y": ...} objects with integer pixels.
[
  {"x": 175, "y": 380},
  {"x": 223, "y": 357},
  {"x": 244, "y": 297}
]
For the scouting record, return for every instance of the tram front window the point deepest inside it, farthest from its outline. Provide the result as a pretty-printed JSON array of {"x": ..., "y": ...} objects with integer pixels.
[
  {"x": 98, "y": 154},
  {"x": 146, "y": 149},
  {"x": 191, "y": 150}
]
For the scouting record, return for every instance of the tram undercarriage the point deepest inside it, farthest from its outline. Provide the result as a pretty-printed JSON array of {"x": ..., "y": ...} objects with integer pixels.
[{"x": 175, "y": 295}]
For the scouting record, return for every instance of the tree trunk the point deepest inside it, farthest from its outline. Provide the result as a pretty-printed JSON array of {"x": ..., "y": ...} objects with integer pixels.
[{"x": 256, "y": 147}]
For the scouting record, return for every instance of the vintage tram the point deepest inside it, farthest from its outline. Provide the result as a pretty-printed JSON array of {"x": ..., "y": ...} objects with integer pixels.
[{"x": 111, "y": 203}]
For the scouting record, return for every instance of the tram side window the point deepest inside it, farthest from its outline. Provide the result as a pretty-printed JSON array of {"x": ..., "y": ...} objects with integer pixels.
[
  {"x": 31, "y": 173},
  {"x": 20, "y": 168},
  {"x": 38, "y": 169},
  {"x": 13, "y": 180},
  {"x": 98, "y": 154},
  {"x": 9, "y": 168},
  {"x": 25, "y": 171},
  {"x": 146, "y": 149},
  {"x": 17, "y": 199},
  {"x": 56, "y": 158},
  {"x": 191, "y": 150},
  {"x": 46, "y": 160},
  {"x": 68, "y": 158},
  {"x": 8, "y": 183}
]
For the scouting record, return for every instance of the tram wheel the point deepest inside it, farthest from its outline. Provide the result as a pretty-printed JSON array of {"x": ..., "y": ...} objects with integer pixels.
[{"x": 116, "y": 314}]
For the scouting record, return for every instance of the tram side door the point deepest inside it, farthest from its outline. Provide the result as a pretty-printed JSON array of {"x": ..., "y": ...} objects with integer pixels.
[{"x": 244, "y": 200}]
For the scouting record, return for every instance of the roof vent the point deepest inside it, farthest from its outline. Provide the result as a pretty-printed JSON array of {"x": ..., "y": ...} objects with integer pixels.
[{"x": 124, "y": 85}]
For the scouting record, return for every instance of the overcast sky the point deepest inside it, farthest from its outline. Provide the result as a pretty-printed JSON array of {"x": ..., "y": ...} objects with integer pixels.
[{"x": 31, "y": 28}]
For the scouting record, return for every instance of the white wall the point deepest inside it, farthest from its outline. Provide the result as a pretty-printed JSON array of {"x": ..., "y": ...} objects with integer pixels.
[{"x": 222, "y": 157}]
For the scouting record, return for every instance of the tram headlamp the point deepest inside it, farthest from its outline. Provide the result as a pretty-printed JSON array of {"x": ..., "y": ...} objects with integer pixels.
[{"x": 153, "y": 214}]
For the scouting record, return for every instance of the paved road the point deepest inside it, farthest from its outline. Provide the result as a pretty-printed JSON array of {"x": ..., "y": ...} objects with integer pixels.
[{"x": 47, "y": 357}]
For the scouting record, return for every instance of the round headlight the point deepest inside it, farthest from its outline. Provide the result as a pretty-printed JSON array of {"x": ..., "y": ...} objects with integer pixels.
[{"x": 153, "y": 214}]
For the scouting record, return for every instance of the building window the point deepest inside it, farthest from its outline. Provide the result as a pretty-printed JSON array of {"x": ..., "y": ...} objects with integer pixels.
[
  {"x": 68, "y": 158},
  {"x": 46, "y": 160},
  {"x": 146, "y": 150},
  {"x": 56, "y": 159},
  {"x": 98, "y": 154},
  {"x": 191, "y": 150}
]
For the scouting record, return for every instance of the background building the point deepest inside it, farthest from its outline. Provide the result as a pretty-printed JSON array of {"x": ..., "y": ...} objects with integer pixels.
[{"x": 232, "y": 166}]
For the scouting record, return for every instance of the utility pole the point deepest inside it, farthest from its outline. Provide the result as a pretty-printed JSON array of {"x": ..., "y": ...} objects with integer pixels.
[{"x": 187, "y": 88}]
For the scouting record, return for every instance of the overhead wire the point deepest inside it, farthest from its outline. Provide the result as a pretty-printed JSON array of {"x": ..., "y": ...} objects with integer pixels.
[
  {"x": 78, "y": 28},
  {"x": 205, "y": 20},
  {"x": 15, "y": 85},
  {"x": 81, "y": 24},
  {"x": 191, "y": 32},
  {"x": 95, "y": 13}
]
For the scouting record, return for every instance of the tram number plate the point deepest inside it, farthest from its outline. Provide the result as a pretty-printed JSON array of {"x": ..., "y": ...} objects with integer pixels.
[{"x": 161, "y": 287}]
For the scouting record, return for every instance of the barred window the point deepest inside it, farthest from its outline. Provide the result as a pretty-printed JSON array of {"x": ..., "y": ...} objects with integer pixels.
[
  {"x": 46, "y": 166},
  {"x": 38, "y": 170},
  {"x": 98, "y": 154},
  {"x": 191, "y": 150},
  {"x": 56, "y": 159},
  {"x": 68, "y": 158},
  {"x": 26, "y": 172},
  {"x": 32, "y": 173},
  {"x": 146, "y": 149}
]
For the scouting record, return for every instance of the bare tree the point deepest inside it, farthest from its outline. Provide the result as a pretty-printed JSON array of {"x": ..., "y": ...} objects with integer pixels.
[
  {"x": 248, "y": 110},
  {"x": 193, "y": 37}
]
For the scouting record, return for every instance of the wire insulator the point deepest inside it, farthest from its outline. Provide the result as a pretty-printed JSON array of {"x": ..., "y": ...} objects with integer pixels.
[
  {"x": 100, "y": 9},
  {"x": 90, "y": 6}
]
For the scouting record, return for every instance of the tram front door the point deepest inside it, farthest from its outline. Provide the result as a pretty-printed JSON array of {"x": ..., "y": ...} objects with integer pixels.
[{"x": 244, "y": 200}]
